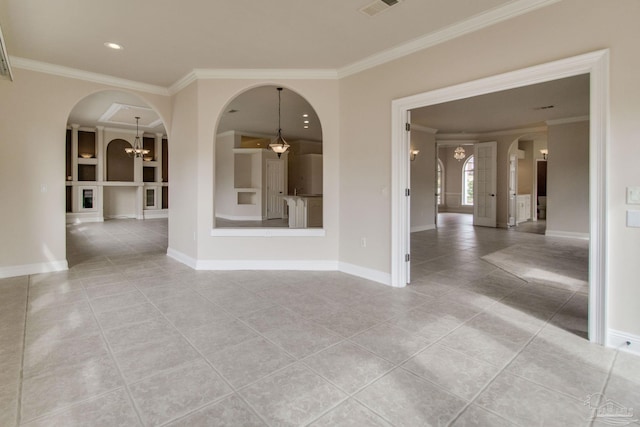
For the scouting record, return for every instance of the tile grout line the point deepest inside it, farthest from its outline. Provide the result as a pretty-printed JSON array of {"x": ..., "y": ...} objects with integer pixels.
[
  {"x": 234, "y": 391},
  {"x": 115, "y": 361},
  {"x": 24, "y": 349}
]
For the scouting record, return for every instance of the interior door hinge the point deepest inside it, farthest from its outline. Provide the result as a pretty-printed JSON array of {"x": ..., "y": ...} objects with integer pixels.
[
  {"x": 407, "y": 257},
  {"x": 407, "y": 192},
  {"x": 407, "y": 127}
]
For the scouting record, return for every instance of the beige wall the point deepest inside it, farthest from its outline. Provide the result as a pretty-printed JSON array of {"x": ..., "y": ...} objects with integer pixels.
[
  {"x": 423, "y": 181},
  {"x": 212, "y": 97},
  {"x": 34, "y": 109},
  {"x": 568, "y": 179},
  {"x": 365, "y": 202}
]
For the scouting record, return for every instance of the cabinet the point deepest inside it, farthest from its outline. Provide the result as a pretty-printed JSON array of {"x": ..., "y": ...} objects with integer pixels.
[{"x": 523, "y": 208}]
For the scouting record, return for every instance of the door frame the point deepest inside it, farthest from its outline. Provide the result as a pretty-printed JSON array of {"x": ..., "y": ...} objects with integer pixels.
[{"x": 596, "y": 64}]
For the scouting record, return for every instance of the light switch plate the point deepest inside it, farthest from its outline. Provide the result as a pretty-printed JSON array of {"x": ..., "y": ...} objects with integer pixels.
[
  {"x": 633, "y": 195},
  {"x": 633, "y": 219}
]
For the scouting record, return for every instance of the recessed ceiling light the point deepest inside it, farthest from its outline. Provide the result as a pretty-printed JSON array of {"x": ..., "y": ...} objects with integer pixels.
[
  {"x": 306, "y": 122},
  {"x": 305, "y": 115},
  {"x": 306, "y": 126},
  {"x": 114, "y": 46}
]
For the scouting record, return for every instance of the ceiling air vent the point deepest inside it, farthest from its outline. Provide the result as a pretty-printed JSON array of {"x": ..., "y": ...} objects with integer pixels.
[
  {"x": 378, "y": 6},
  {"x": 5, "y": 67}
]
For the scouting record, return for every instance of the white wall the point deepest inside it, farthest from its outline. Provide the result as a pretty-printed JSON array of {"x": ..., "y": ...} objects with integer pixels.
[
  {"x": 120, "y": 202},
  {"x": 568, "y": 179},
  {"x": 423, "y": 180},
  {"x": 518, "y": 43}
]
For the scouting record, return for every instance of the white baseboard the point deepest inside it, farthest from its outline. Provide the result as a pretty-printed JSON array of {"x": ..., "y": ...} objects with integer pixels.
[
  {"x": 83, "y": 217},
  {"x": 567, "y": 234},
  {"x": 155, "y": 213},
  {"x": 365, "y": 273},
  {"x": 418, "y": 228},
  {"x": 181, "y": 257},
  {"x": 313, "y": 265},
  {"x": 27, "y": 269},
  {"x": 240, "y": 217},
  {"x": 123, "y": 216},
  {"x": 262, "y": 264},
  {"x": 618, "y": 340}
]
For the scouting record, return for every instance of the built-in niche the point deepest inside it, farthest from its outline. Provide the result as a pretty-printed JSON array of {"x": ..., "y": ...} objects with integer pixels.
[
  {"x": 119, "y": 164},
  {"x": 253, "y": 186}
]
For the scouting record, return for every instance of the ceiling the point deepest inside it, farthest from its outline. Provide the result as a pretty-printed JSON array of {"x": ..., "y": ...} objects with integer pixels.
[
  {"x": 524, "y": 107},
  {"x": 164, "y": 40}
]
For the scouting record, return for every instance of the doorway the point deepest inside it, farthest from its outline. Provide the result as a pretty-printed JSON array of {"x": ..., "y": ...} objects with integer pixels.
[{"x": 595, "y": 65}]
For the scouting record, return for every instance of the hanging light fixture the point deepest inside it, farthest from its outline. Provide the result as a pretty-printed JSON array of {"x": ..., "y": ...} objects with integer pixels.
[
  {"x": 459, "y": 153},
  {"x": 137, "y": 150},
  {"x": 278, "y": 144}
]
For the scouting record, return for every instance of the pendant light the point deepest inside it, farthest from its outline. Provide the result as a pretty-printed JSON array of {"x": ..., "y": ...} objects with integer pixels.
[
  {"x": 459, "y": 153},
  {"x": 137, "y": 150},
  {"x": 278, "y": 144}
]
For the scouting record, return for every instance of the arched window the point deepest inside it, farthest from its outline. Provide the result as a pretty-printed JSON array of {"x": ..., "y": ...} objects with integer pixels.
[
  {"x": 440, "y": 183},
  {"x": 467, "y": 181}
]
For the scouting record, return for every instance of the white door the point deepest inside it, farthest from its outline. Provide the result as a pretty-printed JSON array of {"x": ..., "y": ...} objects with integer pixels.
[
  {"x": 275, "y": 189},
  {"x": 484, "y": 184},
  {"x": 407, "y": 256},
  {"x": 513, "y": 192}
]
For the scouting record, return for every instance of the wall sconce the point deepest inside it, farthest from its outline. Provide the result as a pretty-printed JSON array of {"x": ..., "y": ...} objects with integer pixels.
[
  {"x": 413, "y": 154},
  {"x": 544, "y": 153}
]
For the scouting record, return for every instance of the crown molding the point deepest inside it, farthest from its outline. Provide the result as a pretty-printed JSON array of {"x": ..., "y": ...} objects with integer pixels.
[
  {"x": 478, "y": 22},
  {"x": 477, "y": 135},
  {"x": 567, "y": 120},
  {"x": 59, "y": 70},
  {"x": 421, "y": 128}
]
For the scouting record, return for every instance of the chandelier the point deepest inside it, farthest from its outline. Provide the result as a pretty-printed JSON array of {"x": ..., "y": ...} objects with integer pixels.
[
  {"x": 459, "y": 153},
  {"x": 137, "y": 150},
  {"x": 278, "y": 144}
]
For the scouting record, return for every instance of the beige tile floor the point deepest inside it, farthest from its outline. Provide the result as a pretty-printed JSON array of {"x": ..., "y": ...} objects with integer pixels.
[{"x": 128, "y": 336}]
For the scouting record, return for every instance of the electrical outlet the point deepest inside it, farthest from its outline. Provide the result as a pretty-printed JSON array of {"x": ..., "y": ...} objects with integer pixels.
[{"x": 363, "y": 242}]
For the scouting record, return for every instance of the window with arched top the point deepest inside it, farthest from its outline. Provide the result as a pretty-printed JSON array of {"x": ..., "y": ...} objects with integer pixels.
[
  {"x": 467, "y": 181},
  {"x": 439, "y": 183}
]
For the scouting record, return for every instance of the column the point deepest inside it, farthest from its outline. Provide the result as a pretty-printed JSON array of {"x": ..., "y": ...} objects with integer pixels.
[
  {"x": 101, "y": 154},
  {"x": 74, "y": 167}
]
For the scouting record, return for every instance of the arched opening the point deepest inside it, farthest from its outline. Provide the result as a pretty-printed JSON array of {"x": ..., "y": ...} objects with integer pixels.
[
  {"x": 254, "y": 187},
  {"x": 102, "y": 181}
]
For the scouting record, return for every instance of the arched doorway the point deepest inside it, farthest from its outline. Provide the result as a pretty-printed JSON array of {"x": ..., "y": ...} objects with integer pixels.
[{"x": 102, "y": 181}]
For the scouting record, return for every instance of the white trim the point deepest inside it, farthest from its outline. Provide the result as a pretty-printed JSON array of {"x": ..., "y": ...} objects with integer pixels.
[
  {"x": 418, "y": 228},
  {"x": 365, "y": 273},
  {"x": 266, "y": 264},
  {"x": 421, "y": 128},
  {"x": 155, "y": 213},
  {"x": 567, "y": 120},
  {"x": 597, "y": 65},
  {"x": 478, "y": 22},
  {"x": 241, "y": 217},
  {"x": 251, "y": 73},
  {"x": 27, "y": 269},
  {"x": 567, "y": 234},
  {"x": 59, "y": 70},
  {"x": 618, "y": 340},
  {"x": 181, "y": 257},
  {"x": 83, "y": 217},
  {"x": 268, "y": 232}
]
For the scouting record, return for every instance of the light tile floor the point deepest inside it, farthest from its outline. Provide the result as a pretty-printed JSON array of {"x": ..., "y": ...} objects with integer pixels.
[{"x": 128, "y": 336}]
